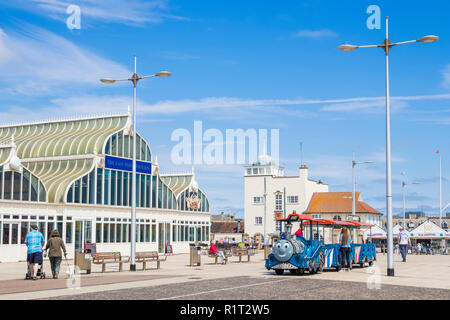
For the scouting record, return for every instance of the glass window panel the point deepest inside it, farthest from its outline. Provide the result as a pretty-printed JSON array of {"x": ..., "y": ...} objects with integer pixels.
[
  {"x": 59, "y": 227},
  {"x": 77, "y": 191},
  {"x": 14, "y": 233},
  {"x": 92, "y": 187},
  {"x": 114, "y": 145},
  {"x": 153, "y": 232},
  {"x": 112, "y": 232},
  {"x": 42, "y": 228},
  {"x": 164, "y": 197},
  {"x": 70, "y": 194},
  {"x": 138, "y": 147},
  {"x": 1, "y": 181},
  {"x": 126, "y": 147},
  {"x": 137, "y": 189},
  {"x": 113, "y": 187},
  {"x": 147, "y": 192},
  {"x": 8, "y": 185},
  {"x": 84, "y": 187},
  {"x": 159, "y": 193},
  {"x": 174, "y": 233},
  {"x": 17, "y": 182},
  {"x": 108, "y": 147},
  {"x": 125, "y": 189},
  {"x": 98, "y": 233},
  {"x": 119, "y": 232},
  {"x": 143, "y": 149},
  {"x": 120, "y": 144},
  {"x": 105, "y": 232},
  {"x": 24, "y": 228},
  {"x": 25, "y": 185},
  {"x": 153, "y": 191},
  {"x": 147, "y": 233},
  {"x": 124, "y": 232},
  {"x": 119, "y": 188},
  {"x": 142, "y": 191},
  {"x": 34, "y": 188},
  {"x": 142, "y": 232},
  {"x": 50, "y": 228},
  {"x": 42, "y": 193},
  {"x": 106, "y": 193},
  {"x": 69, "y": 232},
  {"x": 99, "y": 185},
  {"x": 5, "y": 237}
]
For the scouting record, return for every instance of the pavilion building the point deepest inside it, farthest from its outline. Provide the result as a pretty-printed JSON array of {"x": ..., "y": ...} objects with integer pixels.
[{"x": 75, "y": 176}]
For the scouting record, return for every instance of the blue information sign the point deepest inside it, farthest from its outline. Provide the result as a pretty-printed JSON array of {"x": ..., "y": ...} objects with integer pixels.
[{"x": 127, "y": 165}]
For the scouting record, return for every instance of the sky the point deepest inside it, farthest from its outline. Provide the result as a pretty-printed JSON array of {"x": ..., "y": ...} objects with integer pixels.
[{"x": 250, "y": 65}]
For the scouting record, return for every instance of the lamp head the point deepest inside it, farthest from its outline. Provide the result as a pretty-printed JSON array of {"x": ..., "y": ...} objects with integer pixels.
[
  {"x": 163, "y": 74},
  {"x": 107, "y": 80},
  {"x": 347, "y": 47},
  {"x": 428, "y": 39}
]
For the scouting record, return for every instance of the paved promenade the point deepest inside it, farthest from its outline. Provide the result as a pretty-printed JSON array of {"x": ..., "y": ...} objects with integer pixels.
[{"x": 427, "y": 277}]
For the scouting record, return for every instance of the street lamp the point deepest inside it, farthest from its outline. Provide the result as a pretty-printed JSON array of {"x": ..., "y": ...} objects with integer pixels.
[
  {"x": 134, "y": 79},
  {"x": 354, "y": 163},
  {"x": 403, "y": 193},
  {"x": 386, "y": 46}
]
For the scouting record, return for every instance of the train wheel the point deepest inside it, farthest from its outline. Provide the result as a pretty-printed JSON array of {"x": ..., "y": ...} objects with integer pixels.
[
  {"x": 279, "y": 271},
  {"x": 293, "y": 271},
  {"x": 338, "y": 268},
  {"x": 370, "y": 263},
  {"x": 301, "y": 271}
]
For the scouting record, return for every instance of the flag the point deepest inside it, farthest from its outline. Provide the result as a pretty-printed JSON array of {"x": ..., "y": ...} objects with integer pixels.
[{"x": 437, "y": 152}]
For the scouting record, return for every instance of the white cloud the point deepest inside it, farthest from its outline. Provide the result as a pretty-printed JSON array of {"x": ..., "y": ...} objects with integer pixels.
[
  {"x": 38, "y": 62},
  {"x": 315, "y": 34},
  {"x": 130, "y": 12},
  {"x": 366, "y": 106}
]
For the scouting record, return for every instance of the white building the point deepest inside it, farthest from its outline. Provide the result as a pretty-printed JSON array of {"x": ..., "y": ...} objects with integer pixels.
[
  {"x": 75, "y": 176},
  {"x": 269, "y": 194}
]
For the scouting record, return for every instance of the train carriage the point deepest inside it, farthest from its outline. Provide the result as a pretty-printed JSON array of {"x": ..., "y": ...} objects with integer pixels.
[{"x": 307, "y": 251}]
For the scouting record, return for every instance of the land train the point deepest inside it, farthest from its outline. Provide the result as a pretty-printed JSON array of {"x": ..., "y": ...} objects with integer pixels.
[{"x": 302, "y": 252}]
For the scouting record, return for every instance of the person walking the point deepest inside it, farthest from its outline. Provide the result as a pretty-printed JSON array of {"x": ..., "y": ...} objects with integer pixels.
[
  {"x": 34, "y": 241},
  {"x": 54, "y": 246},
  {"x": 404, "y": 241},
  {"x": 345, "y": 240}
]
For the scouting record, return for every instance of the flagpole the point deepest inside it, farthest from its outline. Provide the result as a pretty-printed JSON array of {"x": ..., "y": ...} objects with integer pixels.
[{"x": 440, "y": 190}]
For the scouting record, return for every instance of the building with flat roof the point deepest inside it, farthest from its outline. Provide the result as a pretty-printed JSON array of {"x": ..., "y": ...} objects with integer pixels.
[
  {"x": 269, "y": 194},
  {"x": 75, "y": 176}
]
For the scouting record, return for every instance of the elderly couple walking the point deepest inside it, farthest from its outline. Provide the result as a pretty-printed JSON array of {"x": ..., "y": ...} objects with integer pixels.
[{"x": 35, "y": 243}]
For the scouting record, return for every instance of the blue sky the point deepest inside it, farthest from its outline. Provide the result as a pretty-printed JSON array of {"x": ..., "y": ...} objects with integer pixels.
[{"x": 247, "y": 64}]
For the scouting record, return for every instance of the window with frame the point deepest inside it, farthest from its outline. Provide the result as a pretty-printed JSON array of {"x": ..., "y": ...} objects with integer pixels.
[
  {"x": 258, "y": 200},
  {"x": 278, "y": 202},
  {"x": 292, "y": 199},
  {"x": 258, "y": 220}
]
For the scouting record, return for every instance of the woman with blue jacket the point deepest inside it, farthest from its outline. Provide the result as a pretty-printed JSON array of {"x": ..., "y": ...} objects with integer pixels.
[{"x": 345, "y": 241}]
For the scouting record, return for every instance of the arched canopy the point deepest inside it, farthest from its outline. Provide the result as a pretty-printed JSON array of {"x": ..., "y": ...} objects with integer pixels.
[{"x": 60, "y": 151}]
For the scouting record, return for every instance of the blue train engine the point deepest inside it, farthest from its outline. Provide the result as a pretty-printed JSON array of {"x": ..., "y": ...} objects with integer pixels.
[{"x": 295, "y": 252}]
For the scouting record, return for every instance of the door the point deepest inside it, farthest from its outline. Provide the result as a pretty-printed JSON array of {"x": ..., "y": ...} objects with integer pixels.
[
  {"x": 83, "y": 233},
  {"x": 163, "y": 236}
]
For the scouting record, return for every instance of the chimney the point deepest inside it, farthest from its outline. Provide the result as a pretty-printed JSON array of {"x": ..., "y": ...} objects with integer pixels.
[{"x": 303, "y": 172}]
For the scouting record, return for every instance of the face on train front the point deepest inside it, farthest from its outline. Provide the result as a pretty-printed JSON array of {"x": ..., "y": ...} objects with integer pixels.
[{"x": 283, "y": 250}]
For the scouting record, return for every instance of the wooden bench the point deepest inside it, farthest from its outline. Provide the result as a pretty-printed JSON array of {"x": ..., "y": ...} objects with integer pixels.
[
  {"x": 239, "y": 252},
  {"x": 149, "y": 256},
  {"x": 226, "y": 253},
  {"x": 104, "y": 258}
]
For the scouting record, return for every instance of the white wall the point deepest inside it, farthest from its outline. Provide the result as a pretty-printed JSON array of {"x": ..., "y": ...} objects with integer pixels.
[{"x": 295, "y": 186}]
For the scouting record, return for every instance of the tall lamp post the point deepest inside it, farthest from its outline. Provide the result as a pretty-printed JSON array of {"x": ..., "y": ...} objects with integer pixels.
[
  {"x": 386, "y": 46},
  {"x": 134, "y": 79},
  {"x": 354, "y": 163},
  {"x": 403, "y": 193}
]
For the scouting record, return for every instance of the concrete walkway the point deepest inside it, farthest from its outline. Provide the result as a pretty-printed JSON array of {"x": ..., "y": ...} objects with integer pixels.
[{"x": 418, "y": 271}]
